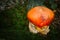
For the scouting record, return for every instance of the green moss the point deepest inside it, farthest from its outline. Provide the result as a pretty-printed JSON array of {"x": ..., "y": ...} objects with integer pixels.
[{"x": 14, "y": 24}]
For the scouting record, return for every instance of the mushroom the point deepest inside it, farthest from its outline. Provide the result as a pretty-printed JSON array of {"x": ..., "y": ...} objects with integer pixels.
[{"x": 40, "y": 17}]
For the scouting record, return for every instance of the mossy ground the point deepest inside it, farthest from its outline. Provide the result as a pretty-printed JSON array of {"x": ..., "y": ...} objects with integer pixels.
[{"x": 14, "y": 26}]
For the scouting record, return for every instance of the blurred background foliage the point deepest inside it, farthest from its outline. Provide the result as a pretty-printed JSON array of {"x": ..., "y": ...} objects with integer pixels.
[{"x": 14, "y": 23}]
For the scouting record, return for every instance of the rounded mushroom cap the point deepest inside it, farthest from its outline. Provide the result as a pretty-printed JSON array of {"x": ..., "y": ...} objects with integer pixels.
[{"x": 40, "y": 16}]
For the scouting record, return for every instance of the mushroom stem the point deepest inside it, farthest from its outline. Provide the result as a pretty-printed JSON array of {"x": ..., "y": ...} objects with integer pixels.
[
  {"x": 32, "y": 28},
  {"x": 44, "y": 30}
]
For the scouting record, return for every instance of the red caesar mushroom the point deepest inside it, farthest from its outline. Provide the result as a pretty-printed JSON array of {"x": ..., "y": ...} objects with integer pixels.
[{"x": 40, "y": 18}]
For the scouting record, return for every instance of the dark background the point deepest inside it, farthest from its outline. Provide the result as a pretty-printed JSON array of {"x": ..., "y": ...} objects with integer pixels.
[{"x": 14, "y": 23}]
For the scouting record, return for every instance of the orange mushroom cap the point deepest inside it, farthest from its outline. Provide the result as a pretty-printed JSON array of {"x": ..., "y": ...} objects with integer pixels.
[{"x": 40, "y": 16}]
